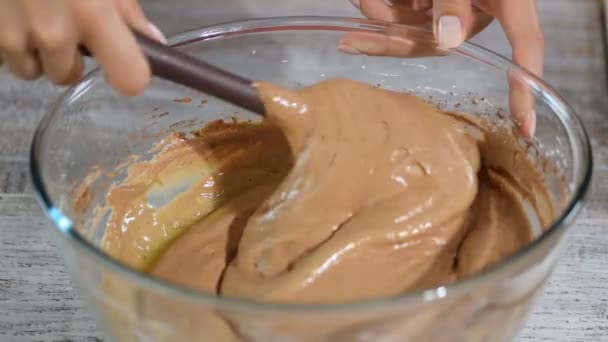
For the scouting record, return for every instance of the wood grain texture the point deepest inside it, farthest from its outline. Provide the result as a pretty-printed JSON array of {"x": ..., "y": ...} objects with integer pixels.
[
  {"x": 37, "y": 300},
  {"x": 38, "y": 303}
]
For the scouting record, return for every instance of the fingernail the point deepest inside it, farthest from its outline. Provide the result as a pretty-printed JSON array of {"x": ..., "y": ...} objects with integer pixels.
[
  {"x": 355, "y": 3},
  {"x": 389, "y": 2},
  {"x": 449, "y": 32},
  {"x": 348, "y": 49},
  {"x": 157, "y": 33}
]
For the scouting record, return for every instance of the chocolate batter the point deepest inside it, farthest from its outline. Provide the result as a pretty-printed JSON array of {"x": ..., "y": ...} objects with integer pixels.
[{"x": 345, "y": 192}]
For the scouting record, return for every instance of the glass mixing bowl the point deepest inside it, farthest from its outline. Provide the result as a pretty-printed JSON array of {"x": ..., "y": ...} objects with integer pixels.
[{"x": 91, "y": 130}]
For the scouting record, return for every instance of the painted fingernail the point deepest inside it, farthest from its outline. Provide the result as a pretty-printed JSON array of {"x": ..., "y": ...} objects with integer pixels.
[
  {"x": 348, "y": 49},
  {"x": 449, "y": 32},
  {"x": 355, "y": 3},
  {"x": 158, "y": 35}
]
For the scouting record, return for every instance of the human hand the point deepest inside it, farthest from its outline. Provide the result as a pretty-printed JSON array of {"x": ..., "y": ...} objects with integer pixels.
[
  {"x": 454, "y": 21},
  {"x": 42, "y": 37}
]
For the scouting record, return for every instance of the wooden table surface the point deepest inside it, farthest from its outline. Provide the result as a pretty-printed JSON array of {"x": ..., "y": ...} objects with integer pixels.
[{"x": 38, "y": 303}]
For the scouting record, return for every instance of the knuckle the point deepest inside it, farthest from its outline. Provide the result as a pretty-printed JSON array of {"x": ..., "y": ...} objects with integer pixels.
[
  {"x": 89, "y": 9},
  {"x": 13, "y": 41},
  {"x": 51, "y": 35}
]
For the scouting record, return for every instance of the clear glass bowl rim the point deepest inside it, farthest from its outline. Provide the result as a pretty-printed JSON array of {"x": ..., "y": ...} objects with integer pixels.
[{"x": 337, "y": 24}]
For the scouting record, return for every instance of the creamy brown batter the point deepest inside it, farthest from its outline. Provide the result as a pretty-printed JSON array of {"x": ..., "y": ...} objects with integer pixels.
[{"x": 345, "y": 192}]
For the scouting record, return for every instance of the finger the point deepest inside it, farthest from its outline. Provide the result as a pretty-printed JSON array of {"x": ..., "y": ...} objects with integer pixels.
[
  {"x": 410, "y": 5},
  {"x": 13, "y": 31},
  {"x": 522, "y": 27},
  {"x": 376, "y": 9},
  {"x": 23, "y": 65},
  {"x": 113, "y": 45},
  {"x": 521, "y": 102},
  {"x": 54, "y": 35},
  {"x": 479, "y": 21},
  {"x": 450, "y": 20},
  {"x": 132, "y": 13},
  {"x": 409, "y": 12},
  {"x": 388, "y": 44},
  {"x": 412, "y": 12},
  {"x": 62, "y": 66},
  {"x": 402, "y": 41},
  {"x": 422, "y": 5},
  {"x": 15, "y": 49},
  {"x": 416, "y": 5}
]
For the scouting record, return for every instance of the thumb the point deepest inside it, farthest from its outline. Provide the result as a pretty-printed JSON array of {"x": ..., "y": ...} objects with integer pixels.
[{"x": 451, "y": 18}]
